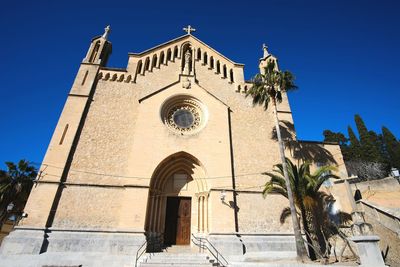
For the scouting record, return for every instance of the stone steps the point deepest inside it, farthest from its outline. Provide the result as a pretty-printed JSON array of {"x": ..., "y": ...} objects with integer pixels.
[
  {"x": 165, "y": 255},
  {"x": 285, "y": 264},
  {"x": 180, "y": 264},
  {"x": 178, "y": 259},
  {"x": 182, "y": 256},
  {"x": 67, "y": 259},
  {"x": 270, "y": 256}
]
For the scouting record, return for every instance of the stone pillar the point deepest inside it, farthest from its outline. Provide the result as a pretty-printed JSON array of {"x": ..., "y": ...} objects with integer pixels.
[
  {"x": 206, "y": 213},
  {"x": 193, "y": 60},
  {"x": 155, "y": 217},
  {"x": 200, "y": 214},
  {"x": 366, "y": 241},
  {"x": 368, "y": 250},
  {"x": 350, "y": 195},
  {"x": 143, "y": 68},
  {"x": 151, "y": 215}
]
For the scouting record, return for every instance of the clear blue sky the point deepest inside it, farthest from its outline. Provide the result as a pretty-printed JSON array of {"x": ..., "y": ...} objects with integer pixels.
[{"x": 345, "y": 55}]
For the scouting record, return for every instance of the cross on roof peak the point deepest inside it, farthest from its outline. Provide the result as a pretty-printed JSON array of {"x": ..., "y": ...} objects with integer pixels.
[{"x": 189, "y": 29}]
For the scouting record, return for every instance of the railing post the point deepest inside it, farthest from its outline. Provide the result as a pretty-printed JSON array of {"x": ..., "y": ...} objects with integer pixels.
[{"x": 202, "y": 246}]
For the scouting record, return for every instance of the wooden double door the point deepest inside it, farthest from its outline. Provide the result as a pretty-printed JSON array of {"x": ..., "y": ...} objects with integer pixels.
[{"x": 177, "y": 221}]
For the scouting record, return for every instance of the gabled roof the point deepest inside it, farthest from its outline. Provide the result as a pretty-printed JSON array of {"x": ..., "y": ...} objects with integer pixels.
[{"x": 183, "y": 37}]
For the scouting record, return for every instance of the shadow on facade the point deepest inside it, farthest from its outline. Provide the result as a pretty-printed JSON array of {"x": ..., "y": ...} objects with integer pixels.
[{"x": 303, "y": 150}]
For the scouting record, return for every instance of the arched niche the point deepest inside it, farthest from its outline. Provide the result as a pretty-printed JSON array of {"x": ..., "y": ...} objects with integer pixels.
[{"x": 187, "y": 48}]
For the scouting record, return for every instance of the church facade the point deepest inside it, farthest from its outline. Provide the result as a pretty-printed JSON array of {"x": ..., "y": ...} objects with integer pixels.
[{"x": 162, "y": 150}]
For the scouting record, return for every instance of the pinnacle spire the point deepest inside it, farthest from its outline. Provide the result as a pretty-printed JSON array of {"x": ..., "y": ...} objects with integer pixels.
[
  {"x": 265, "y": 49},
  {"x": 107, "y": 31}
]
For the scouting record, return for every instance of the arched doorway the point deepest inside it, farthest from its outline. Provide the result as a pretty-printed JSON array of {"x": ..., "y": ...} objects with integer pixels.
[{"x": 178, "y": 200}]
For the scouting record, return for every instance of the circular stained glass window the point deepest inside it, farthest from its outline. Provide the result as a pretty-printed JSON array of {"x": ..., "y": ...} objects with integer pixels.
[
  {"x": 184, "y": 114},
  {"x": 183, "y": 118}
]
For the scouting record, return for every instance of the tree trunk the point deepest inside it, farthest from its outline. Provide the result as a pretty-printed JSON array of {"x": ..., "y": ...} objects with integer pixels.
[
  {"x": 307, "y": 230},
  {"x": 300, "y": 248}
]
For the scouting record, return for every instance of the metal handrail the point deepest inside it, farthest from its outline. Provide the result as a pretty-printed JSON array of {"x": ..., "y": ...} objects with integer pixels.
[
  {"x": 204, "y": 243},
  {"x": 140, "y": 253}
]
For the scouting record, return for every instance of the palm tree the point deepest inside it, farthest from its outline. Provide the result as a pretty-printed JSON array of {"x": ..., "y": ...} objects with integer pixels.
[
  {"x": 15, "y": 186},
  {"x": 268, "y": 88},
  {"x": 310, "y": 201}
]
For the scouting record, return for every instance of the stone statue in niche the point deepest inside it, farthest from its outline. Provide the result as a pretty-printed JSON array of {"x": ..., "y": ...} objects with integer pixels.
[{"x": 188, "y": 57}]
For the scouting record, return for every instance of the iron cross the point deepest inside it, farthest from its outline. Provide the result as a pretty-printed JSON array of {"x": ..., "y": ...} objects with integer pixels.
[{"x": 189, "y": 29}]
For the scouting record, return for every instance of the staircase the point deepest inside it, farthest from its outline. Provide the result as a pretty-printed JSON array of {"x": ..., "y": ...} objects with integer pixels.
[{"x": 182, "y": 256}]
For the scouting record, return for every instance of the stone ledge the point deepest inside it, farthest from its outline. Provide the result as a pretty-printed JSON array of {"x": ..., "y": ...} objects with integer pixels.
[{"x": 31, "y": 242}]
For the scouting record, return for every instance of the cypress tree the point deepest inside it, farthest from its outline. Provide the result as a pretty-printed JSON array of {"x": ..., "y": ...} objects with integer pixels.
[
  {"x": 354, "y": 146},
  {"x": 337, "y": 137},
  {"x": 377, "y": 142},
  {"x": 368, "y": 150},
  {"x": 392, "y": 147}
]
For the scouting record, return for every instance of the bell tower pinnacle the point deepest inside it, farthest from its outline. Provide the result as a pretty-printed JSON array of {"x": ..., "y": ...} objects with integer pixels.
[
  {"x": 100, "y": 49},
  {"x": 267, "y": 57}
]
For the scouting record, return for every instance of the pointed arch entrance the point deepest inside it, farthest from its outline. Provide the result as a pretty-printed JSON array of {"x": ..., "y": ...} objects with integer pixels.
[{"x": 178, "y": 200}]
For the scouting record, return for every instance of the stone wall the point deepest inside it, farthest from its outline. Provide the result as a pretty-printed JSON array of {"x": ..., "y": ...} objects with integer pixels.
[{"x": 388, "y": 184}]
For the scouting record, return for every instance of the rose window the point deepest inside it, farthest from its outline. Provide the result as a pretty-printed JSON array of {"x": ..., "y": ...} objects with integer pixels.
[{"x": 183, "y": 114}]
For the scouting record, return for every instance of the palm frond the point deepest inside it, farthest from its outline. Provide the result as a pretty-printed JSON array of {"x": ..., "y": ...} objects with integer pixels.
[
  {"x": 321, "y": 175},
  {"x": 284, "y": 215},
  {"x": 269, "y": 85},
  {"x": 276, "y": 179},
  {"x": 271, "y": 189},
  {"x": 345, "y": 217}
]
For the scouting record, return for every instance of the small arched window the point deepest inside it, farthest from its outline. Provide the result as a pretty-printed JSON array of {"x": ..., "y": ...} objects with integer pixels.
[
  {"x": 231, "y": 76},
  {"x": 175, "y": 52},
  {"x": 139, "y": 67},
  {"x": 218, "y": 67},
  {"x": 147, "y": 64},
  {"x": 205, "y": 58},
  {"x": 84, "y": 77},
  {"x": 154, "y": 62},
  {"x": 224, "y": 71},
  {"x": 169, "y": 54},
  {"x": 211, "y": 62},
  {"x": 95, "y": 52},
  {"x": 162, "y": 57},
  {"x": 198, "y": 54},
  {"x": 63, "y": 134}
]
